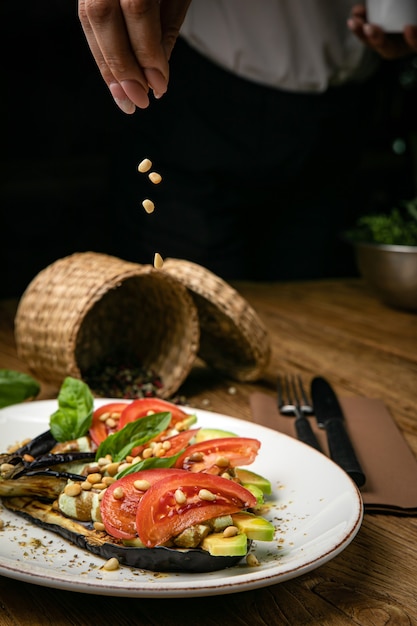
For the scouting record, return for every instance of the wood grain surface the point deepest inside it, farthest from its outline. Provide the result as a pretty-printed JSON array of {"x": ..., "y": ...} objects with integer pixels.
[{"x": 336, "y": 329}]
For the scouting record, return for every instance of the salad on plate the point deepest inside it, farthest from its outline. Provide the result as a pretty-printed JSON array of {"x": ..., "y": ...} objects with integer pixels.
[{"x": 140, "y": 484}]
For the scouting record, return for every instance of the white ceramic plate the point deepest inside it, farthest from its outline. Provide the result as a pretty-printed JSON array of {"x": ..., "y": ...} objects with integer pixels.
[{"x": 316, "y": 509}]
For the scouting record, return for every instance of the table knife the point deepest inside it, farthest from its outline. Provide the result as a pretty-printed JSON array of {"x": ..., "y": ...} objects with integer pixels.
[{"x": 329, "y": 415}]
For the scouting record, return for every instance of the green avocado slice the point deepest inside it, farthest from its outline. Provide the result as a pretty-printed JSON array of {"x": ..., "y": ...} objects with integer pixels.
[
  {"x": 218, "y": 545},
  {"x": 253, "y": 526},
  {"x": 247, "y": 477},
  {"x": 205, "y": 434},
  {"x": 258, "y": 493}
]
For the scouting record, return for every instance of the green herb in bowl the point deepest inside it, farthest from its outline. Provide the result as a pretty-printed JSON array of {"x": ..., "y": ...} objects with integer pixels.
[
  {"x": 397, "y": 228},
  {"x": 386, "y": 254}
]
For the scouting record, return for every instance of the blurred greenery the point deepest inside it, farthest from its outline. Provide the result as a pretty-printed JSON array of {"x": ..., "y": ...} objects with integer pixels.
[
  {"x": 16, "y": 387},
  {"x": 398, "y": 227}
]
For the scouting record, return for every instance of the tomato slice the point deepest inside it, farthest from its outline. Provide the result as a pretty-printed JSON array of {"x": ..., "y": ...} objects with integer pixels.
[
  {"x": 143, "y": 406},
  {"x": 161, "y": 513},
  {"x": 120, "y": 501},
  {"x": 99, "y": 430},
  {"x": 210, "y": 456}
]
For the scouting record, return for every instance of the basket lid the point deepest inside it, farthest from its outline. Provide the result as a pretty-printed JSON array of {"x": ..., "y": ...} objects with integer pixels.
[{"x": 233, "y": 339}]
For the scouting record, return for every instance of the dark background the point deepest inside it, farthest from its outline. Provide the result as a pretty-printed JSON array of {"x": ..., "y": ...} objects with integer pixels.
[{"x": 61, "y": 135}]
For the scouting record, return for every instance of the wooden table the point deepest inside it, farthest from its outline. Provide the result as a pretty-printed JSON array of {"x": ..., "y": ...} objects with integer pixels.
[{"x": 339, "y": 330}]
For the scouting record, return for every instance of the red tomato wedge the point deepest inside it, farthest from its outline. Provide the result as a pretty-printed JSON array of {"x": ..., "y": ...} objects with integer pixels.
[
  {"x": 161, "y": 514},
  {"x": 143, "y": 406},
  {"x": 203, "y": 456},
  {"x": 99, "y": 430},
  {"x": 120, "y": 501}
]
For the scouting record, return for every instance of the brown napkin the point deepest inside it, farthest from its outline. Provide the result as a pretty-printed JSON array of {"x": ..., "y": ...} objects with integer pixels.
[{"x": 389, "y": 464}]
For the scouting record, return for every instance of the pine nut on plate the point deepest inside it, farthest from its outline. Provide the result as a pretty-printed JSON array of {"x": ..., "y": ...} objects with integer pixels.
[{"x": 111, "y": 565}]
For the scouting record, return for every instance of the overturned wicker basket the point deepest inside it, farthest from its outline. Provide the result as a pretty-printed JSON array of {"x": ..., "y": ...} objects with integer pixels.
[
  {"x": 88, "y": 306},
  {"x": 233, "y": 339}
]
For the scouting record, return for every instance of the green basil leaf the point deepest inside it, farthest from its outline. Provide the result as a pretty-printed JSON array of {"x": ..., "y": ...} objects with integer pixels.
[
  {"x": 151, "y": 463},
  {"x": 75, "y": 410},
  {"x": 16, "y": 387},
  {"x": 121, "y": 443}
]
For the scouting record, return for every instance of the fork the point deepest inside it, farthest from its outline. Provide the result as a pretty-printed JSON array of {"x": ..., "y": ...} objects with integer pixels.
[
  {"x": 289, "y": 391},
  {"x": 286, "y": 406}
]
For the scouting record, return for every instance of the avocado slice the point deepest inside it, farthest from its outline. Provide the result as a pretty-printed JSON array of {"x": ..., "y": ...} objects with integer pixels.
[
  {"x": 218, "y": 545},
  {"x": 258, "y": 493},
  {"x": 212, "y": 433},
  {"x": 247, "y": 477},
  {"x": 253, "y": 526}
]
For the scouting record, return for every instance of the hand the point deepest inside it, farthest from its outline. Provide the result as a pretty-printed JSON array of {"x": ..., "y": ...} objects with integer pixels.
[
  {"x": 131, "y": 42},
  {"x": 387, "y": 45}
]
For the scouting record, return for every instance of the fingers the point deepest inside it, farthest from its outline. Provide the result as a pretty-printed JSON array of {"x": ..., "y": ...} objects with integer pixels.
[
  {"x": 131, "y": 41},
  {"x": 105, "y": 30},
  {"x": 387, "y": 45},
  {"x": 143, "y": 25},
  {"x": 410, "y": 36},
  {"x": 125, "y": 39},
  {"x": 358, "y": 11},
  {"x": 356, "y": 24},
  {"x": 173, "y": 13}
]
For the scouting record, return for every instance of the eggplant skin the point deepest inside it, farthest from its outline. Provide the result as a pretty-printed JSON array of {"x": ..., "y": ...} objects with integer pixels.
[{"x": 160, "y": 559}]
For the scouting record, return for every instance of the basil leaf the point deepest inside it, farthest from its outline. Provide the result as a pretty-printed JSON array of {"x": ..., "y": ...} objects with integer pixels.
[
  {"x": 16, "y": 387},
  {"x": 75, "y": 410},
  {"x": 151, "y": 463},
  {"x": 121, "y": 443}
]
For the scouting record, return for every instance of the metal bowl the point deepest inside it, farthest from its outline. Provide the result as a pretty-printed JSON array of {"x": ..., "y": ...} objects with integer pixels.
[{"x": 391, "y": 271}]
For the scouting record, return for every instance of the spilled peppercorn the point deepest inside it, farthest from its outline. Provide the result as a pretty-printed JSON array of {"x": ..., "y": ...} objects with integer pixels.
[{"x": 122, "y": 381}]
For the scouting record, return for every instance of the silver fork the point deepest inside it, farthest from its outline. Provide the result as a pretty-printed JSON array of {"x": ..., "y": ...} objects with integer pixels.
[
  {"x": 286, "y": 396},
  {"x": 292, "y": 400}
]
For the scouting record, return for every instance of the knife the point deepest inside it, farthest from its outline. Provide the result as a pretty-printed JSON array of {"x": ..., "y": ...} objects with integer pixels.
[
  {"x": 304, "y": 431},
  {"x": 329, "y": 415}
]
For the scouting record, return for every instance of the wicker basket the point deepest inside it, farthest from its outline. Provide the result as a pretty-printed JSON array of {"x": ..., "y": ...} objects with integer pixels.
[
  {"x": 89, "y": 306},
  {"x": 233, "y": 339}
]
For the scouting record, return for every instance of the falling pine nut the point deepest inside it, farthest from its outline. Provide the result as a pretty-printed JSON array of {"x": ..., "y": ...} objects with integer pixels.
[
  {"x": 148, "y": 205},
  {"x": 144, "y": 166},
  {"x": 155, "y": 178},
  {"x": 158, "y": 261}
]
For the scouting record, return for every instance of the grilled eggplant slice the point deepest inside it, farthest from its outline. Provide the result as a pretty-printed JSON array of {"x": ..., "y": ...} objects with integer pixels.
[
  {"x": 37, "y": 486},
  {"x": 160, "y": 559},
  {"x": 38, "y": 445}
]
